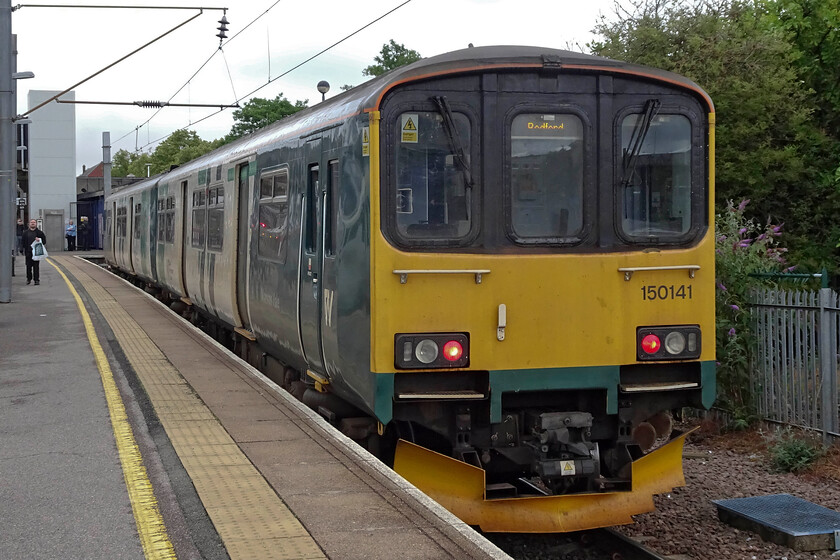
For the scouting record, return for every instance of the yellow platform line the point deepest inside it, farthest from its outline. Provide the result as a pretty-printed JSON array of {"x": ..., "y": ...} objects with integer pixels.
[
  {"x": 150, "y": 525},
  {"x": 253, "y": 522}
]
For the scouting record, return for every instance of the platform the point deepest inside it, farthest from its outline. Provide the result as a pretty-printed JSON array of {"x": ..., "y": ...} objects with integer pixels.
[{"x": 216, "y": 461}]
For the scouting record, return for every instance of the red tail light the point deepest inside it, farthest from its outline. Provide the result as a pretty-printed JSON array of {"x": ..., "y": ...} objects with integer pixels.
[
  {"x": 453, "y": 350},
  {"x": 651, "y": 344}
]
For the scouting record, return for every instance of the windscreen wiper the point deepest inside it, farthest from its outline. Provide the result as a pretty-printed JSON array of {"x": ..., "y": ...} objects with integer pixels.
[
  {"x": 454, "y": 139},
  {"x": 637, "y": 139}
]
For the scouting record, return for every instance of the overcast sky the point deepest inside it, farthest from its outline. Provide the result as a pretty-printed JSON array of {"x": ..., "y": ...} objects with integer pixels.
[{"x": 63, "y": 46}]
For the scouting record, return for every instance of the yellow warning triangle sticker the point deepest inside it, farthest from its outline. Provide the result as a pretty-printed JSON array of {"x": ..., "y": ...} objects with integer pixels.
[
  {"x": 409, "y": 125},
  {"x": 568, "y": 466},
  {"x": 365, "y": 136}
]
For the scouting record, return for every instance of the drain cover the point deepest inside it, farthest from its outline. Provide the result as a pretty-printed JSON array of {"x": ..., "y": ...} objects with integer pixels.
[{"x": 784, "y": 519}]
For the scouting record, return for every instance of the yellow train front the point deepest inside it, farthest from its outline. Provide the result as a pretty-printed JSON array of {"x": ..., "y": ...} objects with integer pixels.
[{"x": 542, "y": 282}]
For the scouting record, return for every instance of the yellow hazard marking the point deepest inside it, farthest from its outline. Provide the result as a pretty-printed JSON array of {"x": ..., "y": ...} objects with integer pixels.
[
  {"x": 568, "y": 468},
  {"x": 365, "y": 141},
  {"x": 150, "y": 525},
  {"x": 409, "y": 128}
]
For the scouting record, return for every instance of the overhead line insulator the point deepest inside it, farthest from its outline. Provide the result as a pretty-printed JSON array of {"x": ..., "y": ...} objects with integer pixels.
[{"x": 151, "y": 104}]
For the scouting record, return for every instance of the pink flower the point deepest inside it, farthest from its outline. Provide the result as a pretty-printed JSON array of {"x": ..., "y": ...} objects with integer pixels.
[{"x": 743, "y": 204}]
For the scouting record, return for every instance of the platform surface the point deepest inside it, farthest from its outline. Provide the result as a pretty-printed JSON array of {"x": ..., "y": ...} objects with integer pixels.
[{"x": 239, "y": 468}]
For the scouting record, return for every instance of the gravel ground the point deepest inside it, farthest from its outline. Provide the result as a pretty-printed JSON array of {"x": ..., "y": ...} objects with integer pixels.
[
  {"x": 685, "y": 526},
  {"x": 734, "y": 465}
]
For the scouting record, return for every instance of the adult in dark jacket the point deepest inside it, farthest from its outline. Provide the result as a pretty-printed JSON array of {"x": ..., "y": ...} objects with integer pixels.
[
  {"x": 21, "y": 227},
  {"x": 83, "y": 234},
  {"x": 33, "y": 268}
]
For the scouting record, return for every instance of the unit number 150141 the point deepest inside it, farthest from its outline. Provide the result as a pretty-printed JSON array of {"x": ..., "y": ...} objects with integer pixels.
[{"x": 651, "y": 293}]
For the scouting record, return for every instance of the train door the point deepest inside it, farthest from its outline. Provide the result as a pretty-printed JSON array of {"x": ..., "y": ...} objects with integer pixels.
[
  {"x": 108, "y": 241},
  {"x": 244, "y": 200},
  {"x": 312, "y": 254},
  {"x": 152, "y": 218},
  {"x": 129, "y": 235},
  {"x": 185, "y": 236}
]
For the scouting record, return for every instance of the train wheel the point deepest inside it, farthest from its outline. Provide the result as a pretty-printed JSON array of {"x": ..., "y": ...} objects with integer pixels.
[
  {"x": 663, "y": 423},
  {"x": 645, "y": 435}
]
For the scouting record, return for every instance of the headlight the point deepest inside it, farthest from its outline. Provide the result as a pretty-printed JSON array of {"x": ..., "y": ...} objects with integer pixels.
[
  {"x": 675, "y": 343},
  {"x": 426, "y": 351}
]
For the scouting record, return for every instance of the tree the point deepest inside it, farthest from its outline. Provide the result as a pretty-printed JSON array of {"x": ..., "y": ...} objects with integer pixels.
[
  {"x": 770, "y": 147},
  {"x": 391, "y": 56},
  {"x": 258, "y": 113},
  {"x": 180, "y": 147},
  {"x": 125, "y": 163}
]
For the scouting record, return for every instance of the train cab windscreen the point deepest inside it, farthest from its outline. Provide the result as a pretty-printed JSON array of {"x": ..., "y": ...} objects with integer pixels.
[
  {"x": 656, "y": 186},
  {"x": 431, "y": 187},
  {"x": 546, "y": 184}
]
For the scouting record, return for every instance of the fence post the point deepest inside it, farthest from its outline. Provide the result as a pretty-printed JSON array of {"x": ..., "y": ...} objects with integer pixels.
[{"x": 828, "y": 369}]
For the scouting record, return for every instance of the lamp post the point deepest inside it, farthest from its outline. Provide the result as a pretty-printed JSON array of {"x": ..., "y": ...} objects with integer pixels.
[
  {"x": 8, "y": 151},
  {"x": 323, "y": 87}
]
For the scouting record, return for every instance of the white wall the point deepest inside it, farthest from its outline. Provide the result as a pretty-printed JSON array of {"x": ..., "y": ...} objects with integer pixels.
[{"x": 52, "y": 154}]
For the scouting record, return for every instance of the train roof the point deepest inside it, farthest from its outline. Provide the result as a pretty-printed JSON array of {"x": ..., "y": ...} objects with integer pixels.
[{"x": 368, "y": 96}]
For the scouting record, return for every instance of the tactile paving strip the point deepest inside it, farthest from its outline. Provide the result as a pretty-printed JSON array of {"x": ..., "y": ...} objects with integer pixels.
[{"x": 251, "y": 519}]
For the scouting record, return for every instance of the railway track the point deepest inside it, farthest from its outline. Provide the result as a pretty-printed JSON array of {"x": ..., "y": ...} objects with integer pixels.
[
  {"x": 595, "y": 544},
  {"x": 618, "y": 546}
]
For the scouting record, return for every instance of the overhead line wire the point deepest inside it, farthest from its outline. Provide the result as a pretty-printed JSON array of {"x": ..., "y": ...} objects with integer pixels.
[
  {"x": 200, "y": 68},
  {"x": 286, "y": 72}
]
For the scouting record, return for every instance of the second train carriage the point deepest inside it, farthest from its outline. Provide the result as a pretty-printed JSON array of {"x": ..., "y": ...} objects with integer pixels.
[{"x": 504, "y": 256}]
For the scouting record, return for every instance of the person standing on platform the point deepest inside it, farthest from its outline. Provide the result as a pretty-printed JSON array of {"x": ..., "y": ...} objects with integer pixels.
[
  {"x": 21, "y": 227},
  {"x": 83, "y": 233},
  {"x": 33, "y": 268},
  {"x": 70, "y": 234}
]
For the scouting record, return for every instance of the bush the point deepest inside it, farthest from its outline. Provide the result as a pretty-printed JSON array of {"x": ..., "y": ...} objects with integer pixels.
[
  {"x": 743, "y": 248},
  {"x": 793, "y": 453}
]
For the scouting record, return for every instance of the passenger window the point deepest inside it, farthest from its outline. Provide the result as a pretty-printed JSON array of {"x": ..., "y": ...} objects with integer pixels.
[
  {"x": 215, "y": 218},
  {"x": 331, "y": 227},
  {"x": 121, "y": 215},
  {"x": 170, "y": 219},
  {"x": 138, "y": 217},
  {"x": 312, "y": 218},
  {"x": 273, "y": 215},
  {"x": 546, "y": 176},
  {"x": 655, "y": 177},
  {"x": 199, "y": 217},
  {"x": 432, "y": 197}
]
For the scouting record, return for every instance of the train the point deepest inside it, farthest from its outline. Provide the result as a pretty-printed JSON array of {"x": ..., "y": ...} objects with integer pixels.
[{"x": 493, "y": 267}]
